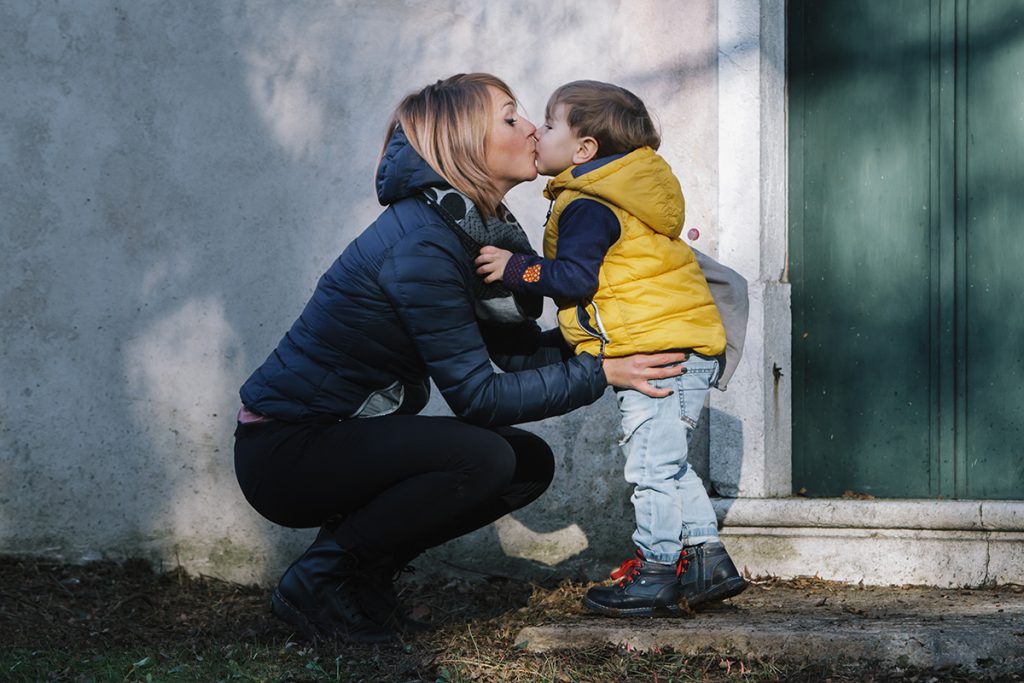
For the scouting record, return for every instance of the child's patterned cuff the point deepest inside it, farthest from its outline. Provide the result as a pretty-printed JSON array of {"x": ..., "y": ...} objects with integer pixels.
[{"x": 521, "y": 268}]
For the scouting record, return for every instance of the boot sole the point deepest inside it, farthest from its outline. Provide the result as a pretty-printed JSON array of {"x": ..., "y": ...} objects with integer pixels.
[
  {"x": 723, "y": 591},
  {"x": 659, "y": 611},
  {"x": 287, "y": 612},
  {"x": 291, "y": 614}
]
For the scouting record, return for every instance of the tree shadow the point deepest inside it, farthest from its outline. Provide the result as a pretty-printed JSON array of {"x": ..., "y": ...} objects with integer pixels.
[{"x": 177, "y": 179}]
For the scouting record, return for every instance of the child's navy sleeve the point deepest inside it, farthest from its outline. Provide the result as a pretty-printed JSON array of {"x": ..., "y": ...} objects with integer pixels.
[{"x": 586, "y": 230}]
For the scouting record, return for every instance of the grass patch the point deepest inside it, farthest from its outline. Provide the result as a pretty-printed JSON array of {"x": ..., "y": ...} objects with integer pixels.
[{"x": 295, "y": 662}]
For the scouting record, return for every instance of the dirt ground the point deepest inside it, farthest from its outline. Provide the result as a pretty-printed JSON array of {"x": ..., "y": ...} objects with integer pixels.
[{"x": 108, "y": 621}]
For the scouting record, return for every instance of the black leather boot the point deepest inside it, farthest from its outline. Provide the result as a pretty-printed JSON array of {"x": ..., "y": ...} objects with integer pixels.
[
  {"x": 319, "y": 595},
  {"x": 645, "y": 589},
  {"x": 380, "y": 599},
  {"x": 708, "y": 574}
]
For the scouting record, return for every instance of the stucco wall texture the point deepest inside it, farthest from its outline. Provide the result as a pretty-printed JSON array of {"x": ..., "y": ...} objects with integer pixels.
[{"x": 173, "y": 179}]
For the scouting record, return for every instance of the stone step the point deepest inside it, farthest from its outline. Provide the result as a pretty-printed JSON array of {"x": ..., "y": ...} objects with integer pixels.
[{"x": 809, "y": 620}]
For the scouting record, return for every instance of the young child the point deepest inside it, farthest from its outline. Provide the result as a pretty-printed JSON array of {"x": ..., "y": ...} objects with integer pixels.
[{"x": 625, "y": 283}]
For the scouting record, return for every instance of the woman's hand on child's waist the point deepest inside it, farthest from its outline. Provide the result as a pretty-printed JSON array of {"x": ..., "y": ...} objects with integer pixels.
[{"x": 635, "y": 372}]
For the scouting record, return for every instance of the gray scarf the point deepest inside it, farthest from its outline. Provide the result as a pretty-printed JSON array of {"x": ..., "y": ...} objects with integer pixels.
[{"x": 493, "y": 302}]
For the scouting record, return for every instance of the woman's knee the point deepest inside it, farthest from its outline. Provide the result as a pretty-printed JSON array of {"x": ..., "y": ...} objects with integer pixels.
[
  {"x": 492, "y": 462},
  {"x": 535, "y": 461},
  {"x": 487, "y": 462}
]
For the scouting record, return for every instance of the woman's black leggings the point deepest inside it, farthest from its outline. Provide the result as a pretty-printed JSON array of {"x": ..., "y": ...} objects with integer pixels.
[{"x": 402, "y": 483}]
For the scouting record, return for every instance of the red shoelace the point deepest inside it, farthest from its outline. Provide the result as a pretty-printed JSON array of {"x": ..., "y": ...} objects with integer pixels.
[{"x": 629, "y": 569}]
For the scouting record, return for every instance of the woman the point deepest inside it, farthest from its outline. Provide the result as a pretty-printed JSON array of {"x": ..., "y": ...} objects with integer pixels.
[{"x": 328, "y": 434}]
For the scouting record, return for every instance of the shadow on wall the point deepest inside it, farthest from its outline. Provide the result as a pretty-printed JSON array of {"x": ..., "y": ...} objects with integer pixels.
[
  {"x": 180, "y": 176},
  {"x": 146, "y": 173},
  {"x": 288, "y": 62}
]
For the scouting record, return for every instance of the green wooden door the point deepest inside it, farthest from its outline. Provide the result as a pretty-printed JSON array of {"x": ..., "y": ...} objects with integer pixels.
[{"x": 906, "y": 187}]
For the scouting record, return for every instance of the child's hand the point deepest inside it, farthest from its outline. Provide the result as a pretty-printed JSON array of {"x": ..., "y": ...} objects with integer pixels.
[{"x": 491, "y": 263}]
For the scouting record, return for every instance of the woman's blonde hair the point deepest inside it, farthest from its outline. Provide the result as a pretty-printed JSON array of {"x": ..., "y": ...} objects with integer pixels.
[{"x": 446, "y": 123}]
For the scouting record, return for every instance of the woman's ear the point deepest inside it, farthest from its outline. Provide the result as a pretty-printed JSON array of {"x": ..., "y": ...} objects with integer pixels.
[{"x": 586, "y": 149}]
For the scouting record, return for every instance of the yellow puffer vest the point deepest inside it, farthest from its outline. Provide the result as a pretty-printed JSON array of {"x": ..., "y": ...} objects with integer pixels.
[{"x": 651, "y": 295}]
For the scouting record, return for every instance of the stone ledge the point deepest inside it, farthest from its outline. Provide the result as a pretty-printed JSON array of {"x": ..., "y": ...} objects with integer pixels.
[
  {"x": 809, "y": 621},
  {"x": 901, "y": 645},
  {"x": 880, "y": 557},
  {"x": 963, "y": 515}
]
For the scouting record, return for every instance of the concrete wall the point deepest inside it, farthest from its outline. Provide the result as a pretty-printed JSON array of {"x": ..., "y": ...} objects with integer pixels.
[
  {"x": 173, "y": 179},
  {"x": 750, "y": 423}
]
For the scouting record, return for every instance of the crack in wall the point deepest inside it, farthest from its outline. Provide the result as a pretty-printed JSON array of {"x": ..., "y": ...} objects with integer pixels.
[{"x": 986, "y": 572}]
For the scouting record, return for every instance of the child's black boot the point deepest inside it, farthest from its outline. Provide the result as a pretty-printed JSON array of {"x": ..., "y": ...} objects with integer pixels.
[
  {"x": 707, "y": 574},
  {"x": 644, "y": 589}
]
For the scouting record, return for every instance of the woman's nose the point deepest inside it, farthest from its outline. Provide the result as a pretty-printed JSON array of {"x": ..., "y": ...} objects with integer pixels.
[{"x": 531, "y": 128}]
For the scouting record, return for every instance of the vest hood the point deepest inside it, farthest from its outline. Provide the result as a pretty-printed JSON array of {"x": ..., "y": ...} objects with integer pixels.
[
  {"x": 402, "y": 172},
  {"x": 640, "y": 183}
]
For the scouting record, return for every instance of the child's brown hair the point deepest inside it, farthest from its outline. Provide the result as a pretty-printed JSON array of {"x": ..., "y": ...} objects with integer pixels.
[{"x": 610, "y": 114}]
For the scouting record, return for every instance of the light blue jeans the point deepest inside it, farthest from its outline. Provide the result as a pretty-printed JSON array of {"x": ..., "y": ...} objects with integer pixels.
[{"x": 672, "y": 508}]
